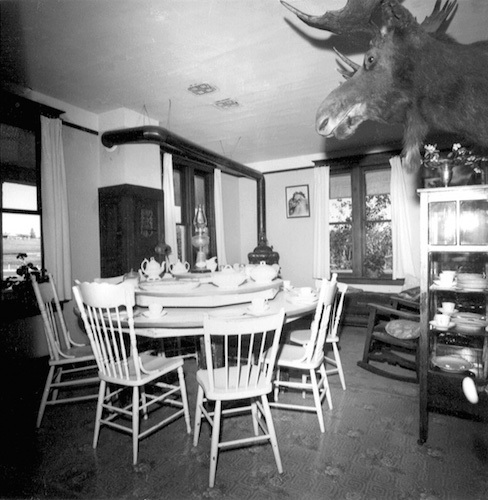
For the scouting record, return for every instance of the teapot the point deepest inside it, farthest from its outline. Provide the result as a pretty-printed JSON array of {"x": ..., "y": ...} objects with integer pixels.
[
  {"x": 179, "y": 267},
  {"x": 211, "y": 264},
  {"x": 264, "y": 273},
  {"x": 151, "y": 269}
]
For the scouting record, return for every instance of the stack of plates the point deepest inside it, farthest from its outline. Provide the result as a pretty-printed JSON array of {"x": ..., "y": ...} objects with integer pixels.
[
  {"x": 470, "y": 281},
  {"x": 467, "y": 322}
]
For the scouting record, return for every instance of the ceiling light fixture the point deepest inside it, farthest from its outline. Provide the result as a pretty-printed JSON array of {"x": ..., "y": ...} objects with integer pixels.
[
  {"x": 201, "y": 88},
  {"x": 226, "y": 104}
]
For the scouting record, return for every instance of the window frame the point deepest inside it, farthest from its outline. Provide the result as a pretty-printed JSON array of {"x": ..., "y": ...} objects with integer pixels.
[
  {"x": 189, "y": 169},
  {"x": 24, "y": 114},
  {"x": 358, "y": 166}
]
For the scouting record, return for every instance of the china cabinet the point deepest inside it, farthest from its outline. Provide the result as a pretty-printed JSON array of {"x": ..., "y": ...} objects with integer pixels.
[
  {"x": 454, "y": 237},
  {"x": 131, "y": 225}
]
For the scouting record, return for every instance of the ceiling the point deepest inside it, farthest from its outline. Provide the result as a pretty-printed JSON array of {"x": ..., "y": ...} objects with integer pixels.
[{"x": 143, "y": 55}]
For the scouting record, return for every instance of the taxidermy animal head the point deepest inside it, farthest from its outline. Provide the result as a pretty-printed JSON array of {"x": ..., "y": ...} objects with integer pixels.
[{"x": 412, "y": 74}]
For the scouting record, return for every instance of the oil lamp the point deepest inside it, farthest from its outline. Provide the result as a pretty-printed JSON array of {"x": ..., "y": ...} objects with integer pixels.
[{"x": 201, "y": 239}]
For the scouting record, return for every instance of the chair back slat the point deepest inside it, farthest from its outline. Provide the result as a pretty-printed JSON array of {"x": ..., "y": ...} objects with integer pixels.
[
  {"x": 336, "y": 313},
  {"x": 55, "y": 328},
  {"x": 320, "y": 323},
  {"x": 240, "y": 352},
  {"x": 103, "y": 307}
]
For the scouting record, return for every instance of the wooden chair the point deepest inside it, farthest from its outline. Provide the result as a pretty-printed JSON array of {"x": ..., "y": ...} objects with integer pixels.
[
  {"x": 122, "y": 367},
  {"x": 72, "y": 366},
  {"x": 392, "y": 337},
  {"x": 239, "y": 356},
  {"x": 302, "y": 336},
  {"x": 308, "y": 360}
]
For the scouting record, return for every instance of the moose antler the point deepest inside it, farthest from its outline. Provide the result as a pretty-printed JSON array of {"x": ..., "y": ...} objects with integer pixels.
[
  {"x": 344, "y": 70},
  {"x": 439, "y": 14},
  {"x": 354, "y": 17}
]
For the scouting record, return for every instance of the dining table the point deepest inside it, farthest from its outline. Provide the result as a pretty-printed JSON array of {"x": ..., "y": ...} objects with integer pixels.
[{"x": 187, "y": 320}]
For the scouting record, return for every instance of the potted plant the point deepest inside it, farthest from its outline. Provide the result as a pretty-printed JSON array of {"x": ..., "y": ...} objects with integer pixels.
[{"x": 17, "y": 290}]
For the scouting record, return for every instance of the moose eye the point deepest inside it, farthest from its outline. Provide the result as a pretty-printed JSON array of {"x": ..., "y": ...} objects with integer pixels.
[{"x": 370, "y": 60}]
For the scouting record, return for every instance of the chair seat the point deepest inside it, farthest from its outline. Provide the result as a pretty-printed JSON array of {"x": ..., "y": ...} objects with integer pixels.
[
  {"x": 158, "y": 365},
  {"x": 301, "y": 336},
  {"x": 292, "y": 356},
  {"x": 80, "y": 352},
  {"x": 232, "y": 383}
]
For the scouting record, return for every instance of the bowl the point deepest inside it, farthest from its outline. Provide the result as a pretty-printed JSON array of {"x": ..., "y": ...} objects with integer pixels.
[{"x": 228, "y": 280}]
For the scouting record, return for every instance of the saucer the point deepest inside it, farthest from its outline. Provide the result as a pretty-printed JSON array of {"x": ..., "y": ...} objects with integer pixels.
[
  {"x": 257, "y": 312},
  {"x": 453, "y": 364},
  {"x": 439, "y": 283},
  {"x": 148, "y": 315},
  {"x": 442, "y": 328},
  {"x": 454, "y": 311}
]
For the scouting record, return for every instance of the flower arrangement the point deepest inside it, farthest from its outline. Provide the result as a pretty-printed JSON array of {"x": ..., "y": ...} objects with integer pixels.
[{"x": 458, "y": 156}]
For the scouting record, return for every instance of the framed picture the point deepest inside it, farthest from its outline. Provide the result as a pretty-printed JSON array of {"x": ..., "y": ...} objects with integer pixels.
[{"x": 297, "y": 201}]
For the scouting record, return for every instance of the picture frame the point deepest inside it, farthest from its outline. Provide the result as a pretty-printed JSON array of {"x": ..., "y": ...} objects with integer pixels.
[{"x": 297, "y": 201}]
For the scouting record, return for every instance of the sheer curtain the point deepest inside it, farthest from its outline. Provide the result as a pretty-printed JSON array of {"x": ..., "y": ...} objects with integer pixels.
[
  {"x": 219, "y": 218},
  {"x": 402, "y": 225},
  {"x": 321, "y": 240},
  {"x": 55, "y": 220},
  {"x": 169, "y": 207}
]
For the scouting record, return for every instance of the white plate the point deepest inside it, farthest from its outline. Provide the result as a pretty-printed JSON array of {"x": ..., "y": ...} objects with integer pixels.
[
  {"x": 442, "y": 328},
  {"x": 148, "y": 315},
  {"x": 453, "y": 364}
]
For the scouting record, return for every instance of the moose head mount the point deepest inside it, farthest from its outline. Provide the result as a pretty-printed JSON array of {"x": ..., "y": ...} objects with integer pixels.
[{"x": 412, "y": 74}]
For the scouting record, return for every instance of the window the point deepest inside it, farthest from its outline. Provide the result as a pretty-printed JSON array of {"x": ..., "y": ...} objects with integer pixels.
[
  {"x": 360, "y": 219},
  {"x": 20, "y": 184},
  {"x": 194, "y": 186}
]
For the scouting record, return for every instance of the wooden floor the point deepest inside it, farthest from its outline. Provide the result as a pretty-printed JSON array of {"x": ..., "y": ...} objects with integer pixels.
[{"x": 369, "y": 449}]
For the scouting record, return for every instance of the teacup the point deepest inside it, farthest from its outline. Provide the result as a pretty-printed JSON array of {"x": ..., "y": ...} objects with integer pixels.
[
  {"x": 442, "y": 320},
  {"x": 155, "y": 310},
  {"x": 287, "y": 284},
  {"x": 448, "y": 307},
  {"x": 259, "y": 304},
  {"x": 305, "y": 291},
  {"x": 446, "y": 278}
]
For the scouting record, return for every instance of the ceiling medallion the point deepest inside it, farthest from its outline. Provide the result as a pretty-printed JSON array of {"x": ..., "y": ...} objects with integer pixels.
[
  {"x": 201, "y": 88},
  {"x": 226, "y": 104}
]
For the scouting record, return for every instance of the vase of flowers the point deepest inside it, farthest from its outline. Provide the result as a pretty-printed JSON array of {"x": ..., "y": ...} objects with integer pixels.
[{"x": 460, "y": 162}]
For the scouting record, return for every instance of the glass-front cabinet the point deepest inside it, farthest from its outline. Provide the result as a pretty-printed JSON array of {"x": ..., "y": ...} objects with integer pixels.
[{"x": 454, "y": 302}]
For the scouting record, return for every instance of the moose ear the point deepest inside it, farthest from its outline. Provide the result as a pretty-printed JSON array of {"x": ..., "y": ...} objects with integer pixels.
[{"x": 396, "y": 16}]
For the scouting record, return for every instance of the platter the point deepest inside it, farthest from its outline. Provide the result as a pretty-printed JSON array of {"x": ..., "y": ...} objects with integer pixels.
[{"x": 452, "y": 364}]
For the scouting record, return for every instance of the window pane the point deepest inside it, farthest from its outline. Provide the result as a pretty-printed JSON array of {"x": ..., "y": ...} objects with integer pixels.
[
  {"x": 21, "y": 234},
  {"x": 341, "y": 247},
  {"x": 19, "y": 196},
  {"x": 378, "y": 207},
  {"x": 378, "y": 195},
  {"x": 200, "y": 191},
  {"x": 18, "y": 146},
  {"x": 378, "y": 256}
]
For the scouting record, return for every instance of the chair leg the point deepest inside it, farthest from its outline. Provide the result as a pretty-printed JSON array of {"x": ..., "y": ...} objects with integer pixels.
[
  {"x": 277, "y": 384},
  {"x": 57, "y": 379},
  {"x": 316, "y": 397},
  {"x": 45, "y": 395},
  {"x": 254, "y": 412},
  {"x": 338, "y": 361},
  {"x": 135, "y": 423},
  {"x": 98, "y": 415},
  {"x": 272, "y": 433},
  {"x": 198, "y": 416},
  {"x": 326, "y": 387},
  {"x": 214, "y": 449},
  {"x": 304, "y": 382},
  {"x": 184, "y": 399}
]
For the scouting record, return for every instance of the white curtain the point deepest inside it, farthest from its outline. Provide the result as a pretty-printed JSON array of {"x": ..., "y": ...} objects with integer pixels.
[
  {"x": 55, "y": 220},
  {"x": 219, "y": 218},
  {"x": 402, "y": 226},
  {"x": 321, "y": 239},
  {"x": 169, "y": 207}
]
